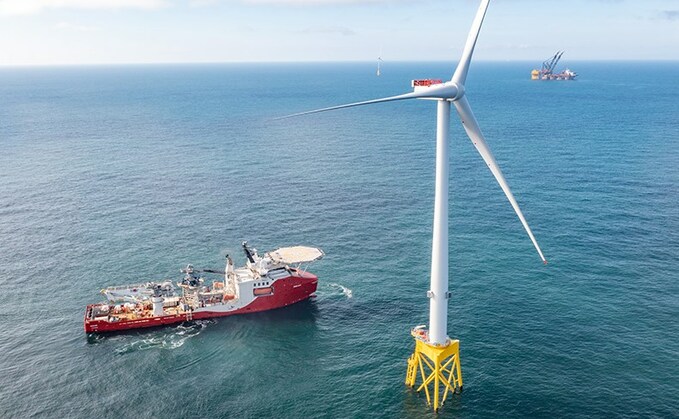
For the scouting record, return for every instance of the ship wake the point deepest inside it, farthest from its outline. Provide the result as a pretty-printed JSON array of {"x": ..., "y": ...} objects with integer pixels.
[
  {"x": 345, "y": 291},
  {"x": 165, "y": 339}
]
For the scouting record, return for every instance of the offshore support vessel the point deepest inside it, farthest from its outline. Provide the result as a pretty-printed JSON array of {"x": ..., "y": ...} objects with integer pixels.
[{"x": 275, "y": 280}]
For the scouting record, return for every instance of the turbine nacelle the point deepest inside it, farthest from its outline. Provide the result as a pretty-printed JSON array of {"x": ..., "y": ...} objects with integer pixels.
[{"x": 449, "y": 90}]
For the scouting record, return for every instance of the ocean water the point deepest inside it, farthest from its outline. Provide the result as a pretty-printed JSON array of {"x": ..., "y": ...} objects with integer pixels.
[{"x": 118, "y": 174}]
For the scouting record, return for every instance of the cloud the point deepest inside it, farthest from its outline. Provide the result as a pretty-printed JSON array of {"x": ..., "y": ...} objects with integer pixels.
[
  {"x": 304, "y": 2},
  {"x": 25, "y": 7},
  {"x": 308, "y": 2},
  {"x": 202, "y": 3},
  {"x": 71, "y": 27},
  {"x": 670, "y": 14},
  {"x": 342, "y": 30}
]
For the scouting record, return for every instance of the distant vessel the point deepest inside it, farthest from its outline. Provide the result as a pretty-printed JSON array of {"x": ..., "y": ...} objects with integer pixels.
[
  {"x": 275, "y": 280},
  {"x": 547, "y": 70}
]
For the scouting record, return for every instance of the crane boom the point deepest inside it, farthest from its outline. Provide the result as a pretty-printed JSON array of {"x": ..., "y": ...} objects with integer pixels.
[
  {"x": 557, "y": 57},
  {"x": 549, "y": 65}
]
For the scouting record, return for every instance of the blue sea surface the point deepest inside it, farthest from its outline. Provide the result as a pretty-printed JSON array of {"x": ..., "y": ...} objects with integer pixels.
[{"x": 118, "y": 174}]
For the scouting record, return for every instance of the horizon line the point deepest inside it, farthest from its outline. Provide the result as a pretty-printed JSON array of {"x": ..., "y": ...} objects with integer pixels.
[{"x": 113, "y": 64}]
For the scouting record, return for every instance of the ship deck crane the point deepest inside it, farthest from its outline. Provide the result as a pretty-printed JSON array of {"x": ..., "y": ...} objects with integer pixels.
[{"x": 548, "y": 67}]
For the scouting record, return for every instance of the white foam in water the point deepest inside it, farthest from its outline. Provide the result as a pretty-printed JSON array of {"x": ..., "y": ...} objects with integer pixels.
[
  {"x": 346, "y": 291},
  {"x": 170, "y": 338}
]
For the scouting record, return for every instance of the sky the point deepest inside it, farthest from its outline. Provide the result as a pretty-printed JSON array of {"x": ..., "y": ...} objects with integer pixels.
[{"x": 58, "y": 32}]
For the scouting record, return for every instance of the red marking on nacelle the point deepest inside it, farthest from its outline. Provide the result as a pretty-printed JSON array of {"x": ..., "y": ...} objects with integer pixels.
[{"x": 425, "y": 82}]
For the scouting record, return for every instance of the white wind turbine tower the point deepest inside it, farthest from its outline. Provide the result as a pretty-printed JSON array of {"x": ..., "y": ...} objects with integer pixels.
[{"x": 433, "y": 349}]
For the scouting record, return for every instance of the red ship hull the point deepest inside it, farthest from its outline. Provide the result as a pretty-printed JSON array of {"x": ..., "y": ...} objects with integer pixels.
[{"x": 286, "y": 291}]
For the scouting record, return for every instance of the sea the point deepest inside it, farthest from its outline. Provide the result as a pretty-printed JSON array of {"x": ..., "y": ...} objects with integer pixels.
[{"x": 126, "y": 173}]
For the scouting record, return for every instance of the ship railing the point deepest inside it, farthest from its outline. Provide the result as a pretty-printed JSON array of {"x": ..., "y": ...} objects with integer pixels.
[{"x": 127, "y": 287}]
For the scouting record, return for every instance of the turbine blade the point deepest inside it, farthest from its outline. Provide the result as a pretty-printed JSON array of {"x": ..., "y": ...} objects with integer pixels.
[
  {"x": 462, "y": 69},
  {"x": 413, "y": 95},
  {"x": 475, "y": 134}
]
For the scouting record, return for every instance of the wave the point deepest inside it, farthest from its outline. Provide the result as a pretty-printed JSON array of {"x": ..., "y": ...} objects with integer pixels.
[{"x": 346, "y": 291}]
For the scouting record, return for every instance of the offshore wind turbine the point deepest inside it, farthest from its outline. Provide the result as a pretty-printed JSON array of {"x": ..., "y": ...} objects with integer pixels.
[{"x": 436, "y": 356}]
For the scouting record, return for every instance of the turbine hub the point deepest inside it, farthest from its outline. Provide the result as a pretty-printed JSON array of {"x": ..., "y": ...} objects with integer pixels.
[
  {"x": 434, "y": 89},
  {"x": 460, "y": 91}
]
